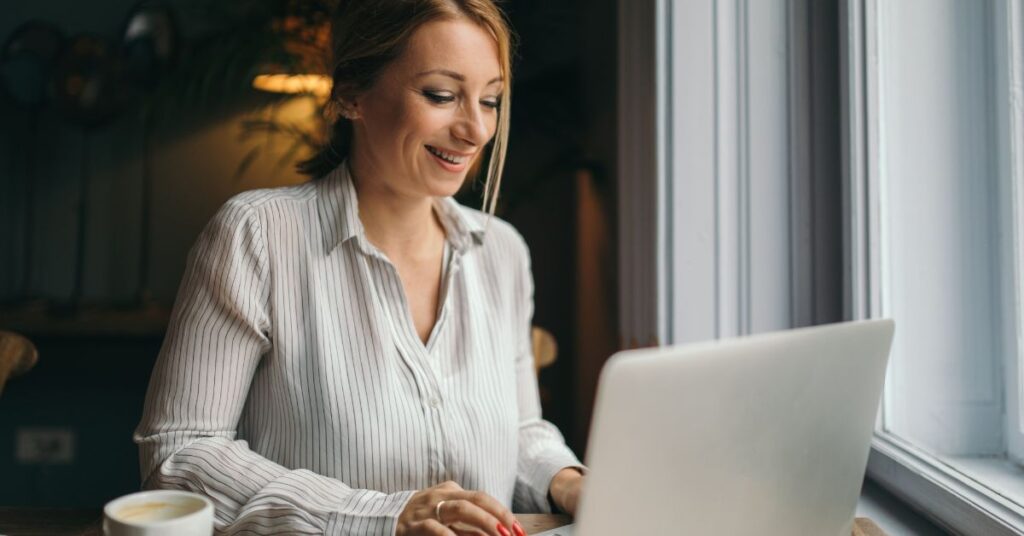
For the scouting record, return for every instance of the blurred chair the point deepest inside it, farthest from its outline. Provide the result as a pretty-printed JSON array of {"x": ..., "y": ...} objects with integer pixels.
[
  {"x": 545, "y": 349},
  {"x": 17, "y": 356}
]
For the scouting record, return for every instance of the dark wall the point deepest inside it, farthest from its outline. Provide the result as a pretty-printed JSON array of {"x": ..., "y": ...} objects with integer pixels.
[
  {"x": 563, "y": 122},
  {"x": 93, "y": 388},
  {"x": 56, "y": 172}
]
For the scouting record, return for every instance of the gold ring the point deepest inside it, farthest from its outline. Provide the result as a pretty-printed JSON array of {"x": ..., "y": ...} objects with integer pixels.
[{"x": 437, "y": 512}]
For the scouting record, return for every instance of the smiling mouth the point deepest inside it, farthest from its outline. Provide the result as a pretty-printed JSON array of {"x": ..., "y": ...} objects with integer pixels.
[{"x": 455, "y": 160}]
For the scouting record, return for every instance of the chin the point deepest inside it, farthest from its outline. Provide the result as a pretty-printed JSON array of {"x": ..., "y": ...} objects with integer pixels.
[{"x": 446, "y": 187}]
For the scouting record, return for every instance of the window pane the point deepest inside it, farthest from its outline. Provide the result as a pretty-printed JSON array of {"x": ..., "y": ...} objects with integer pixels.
[{"x": 940, "y": 221}]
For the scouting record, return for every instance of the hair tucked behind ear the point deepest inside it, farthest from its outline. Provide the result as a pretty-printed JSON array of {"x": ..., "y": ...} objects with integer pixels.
[
  {"x": 332, "y": 154},
  {"x": 367, "y": 35}
]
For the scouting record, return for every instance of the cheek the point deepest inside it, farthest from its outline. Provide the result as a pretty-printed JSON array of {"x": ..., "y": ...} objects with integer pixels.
[
  {"x": 426, "y": 120},
  {"x": 413, "y": 119},
  {"x": 392, "y": 119}
]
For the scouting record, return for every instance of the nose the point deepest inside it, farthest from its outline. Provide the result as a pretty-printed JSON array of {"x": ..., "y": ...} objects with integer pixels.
[{"x": 472, "y": 125}]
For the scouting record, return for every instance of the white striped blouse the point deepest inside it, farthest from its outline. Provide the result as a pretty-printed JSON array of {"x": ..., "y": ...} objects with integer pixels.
[{"x": 293, "y": 390}]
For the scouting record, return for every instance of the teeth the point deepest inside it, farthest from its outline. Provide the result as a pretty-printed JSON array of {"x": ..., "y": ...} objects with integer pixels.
[{"x": 448, "y": 157}]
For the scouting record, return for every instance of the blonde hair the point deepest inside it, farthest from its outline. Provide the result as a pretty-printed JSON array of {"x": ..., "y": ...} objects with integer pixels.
[{"x": 367, "y": 35}]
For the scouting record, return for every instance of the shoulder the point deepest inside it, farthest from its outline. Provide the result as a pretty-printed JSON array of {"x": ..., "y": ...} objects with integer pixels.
[
  {"x": 263, "y": 199},
  {"x": 252, "y": 211},
  {"x": 265, "y": 207}
]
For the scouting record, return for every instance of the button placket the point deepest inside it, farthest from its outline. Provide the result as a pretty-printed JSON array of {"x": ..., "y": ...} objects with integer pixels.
[
  {"x": 436, "y": 401},
  {"x": 380, "y": 270},
  {"x": 410, "y": 345}
]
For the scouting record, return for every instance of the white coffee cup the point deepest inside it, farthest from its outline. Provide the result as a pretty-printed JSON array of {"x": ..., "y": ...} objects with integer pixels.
[{"x": 159, "y": 513}]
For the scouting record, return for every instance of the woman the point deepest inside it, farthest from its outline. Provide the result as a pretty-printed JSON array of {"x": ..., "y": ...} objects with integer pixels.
[{"x": 352, "y": 355}]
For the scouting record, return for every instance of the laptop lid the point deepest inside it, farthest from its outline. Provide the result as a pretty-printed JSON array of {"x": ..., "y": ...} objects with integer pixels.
[{"x": 766, "y": 434}]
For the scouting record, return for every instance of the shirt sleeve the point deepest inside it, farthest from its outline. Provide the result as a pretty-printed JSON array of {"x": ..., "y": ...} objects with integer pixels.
[
  {"x": 542, "y": 449},
  {"x": 215, "y": 341}
]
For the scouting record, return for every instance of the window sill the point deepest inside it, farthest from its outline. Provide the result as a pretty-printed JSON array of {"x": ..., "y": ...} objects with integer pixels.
[
  {"x": 891, "y": 514},
  {"x": 953, "y": 499},
  {"x": 1000, "y": 475}
]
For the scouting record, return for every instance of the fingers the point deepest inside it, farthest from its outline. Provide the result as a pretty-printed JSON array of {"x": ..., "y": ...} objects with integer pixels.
[
  {"x": 449, "y": 485},
  {"x": 491, "y": 506},
  {"x": 431, "y": 527},
  {"x": 465, "y": 515},
  {"x": 458, "y": 512},
  {"x": 480, "y": 510}
]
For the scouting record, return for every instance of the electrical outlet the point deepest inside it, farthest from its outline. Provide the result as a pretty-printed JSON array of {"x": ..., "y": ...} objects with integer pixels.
[{"x": 45, "y": 445}]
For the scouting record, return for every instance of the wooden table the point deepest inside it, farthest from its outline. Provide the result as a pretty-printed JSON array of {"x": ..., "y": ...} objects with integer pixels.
[{"x": 78, "y": 522}]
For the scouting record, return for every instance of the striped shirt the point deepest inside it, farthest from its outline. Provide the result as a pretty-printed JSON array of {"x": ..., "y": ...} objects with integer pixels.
[{"x": 292, "y": 388}]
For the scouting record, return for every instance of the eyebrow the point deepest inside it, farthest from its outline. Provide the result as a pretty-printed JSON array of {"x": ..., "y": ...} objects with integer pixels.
[{"x": 453, "y": 74}]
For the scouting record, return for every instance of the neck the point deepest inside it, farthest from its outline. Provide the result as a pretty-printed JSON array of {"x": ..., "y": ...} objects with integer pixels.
[{"x": 399, "y": 225}]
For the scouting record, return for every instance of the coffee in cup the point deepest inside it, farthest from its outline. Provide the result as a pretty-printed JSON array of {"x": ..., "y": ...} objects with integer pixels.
[{"x": 159, "y": 513}]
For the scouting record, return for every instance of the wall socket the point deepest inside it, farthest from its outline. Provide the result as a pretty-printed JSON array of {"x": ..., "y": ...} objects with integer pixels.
[{"x": 48, "y": 445}]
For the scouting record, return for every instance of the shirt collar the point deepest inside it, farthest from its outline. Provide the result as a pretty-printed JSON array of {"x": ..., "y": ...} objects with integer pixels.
[
  {"x": 463, "y": 229},
  {"x": 338, "y": 209}
]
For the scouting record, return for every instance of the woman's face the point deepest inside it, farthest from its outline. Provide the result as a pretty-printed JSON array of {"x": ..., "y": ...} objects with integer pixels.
[{"x": 431, "y": 112}]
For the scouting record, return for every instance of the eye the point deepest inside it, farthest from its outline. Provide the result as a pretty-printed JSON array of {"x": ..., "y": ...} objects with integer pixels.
[
  {"x": 437, "y": 97},
  {"x": 493, "y": 104}
]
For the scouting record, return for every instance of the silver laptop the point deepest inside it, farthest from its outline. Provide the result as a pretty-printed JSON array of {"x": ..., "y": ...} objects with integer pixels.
[{"x": 759, "y": 435}]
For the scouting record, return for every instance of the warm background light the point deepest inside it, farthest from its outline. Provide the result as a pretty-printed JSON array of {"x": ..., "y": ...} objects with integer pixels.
[{"x": 315, "y": 84}]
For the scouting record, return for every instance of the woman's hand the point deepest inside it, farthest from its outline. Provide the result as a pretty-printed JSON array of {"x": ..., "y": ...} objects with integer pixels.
[
  {"x": 565, "y": 489},
  {"x": 463, "y": 513}
]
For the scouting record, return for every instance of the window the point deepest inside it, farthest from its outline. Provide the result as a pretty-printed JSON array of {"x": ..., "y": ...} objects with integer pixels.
[
  {"x": 934, "y": 152},
  {"x": 793, "y": 162}
]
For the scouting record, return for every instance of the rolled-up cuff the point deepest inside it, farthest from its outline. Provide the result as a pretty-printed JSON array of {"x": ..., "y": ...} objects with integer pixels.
[
  {"x": 369, "y": 513},
  {"x": 535, "y": 478}
]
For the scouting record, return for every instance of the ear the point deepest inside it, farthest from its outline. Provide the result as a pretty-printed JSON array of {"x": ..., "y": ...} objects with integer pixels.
[
  {"x": 350, "y": 110},
  {"x": 346, "y": 104}
]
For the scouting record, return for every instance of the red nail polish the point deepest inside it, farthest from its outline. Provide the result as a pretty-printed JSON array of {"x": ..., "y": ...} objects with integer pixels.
[
  {"x": 519, "y": 529},
  {"x": 503, "y": 530}
]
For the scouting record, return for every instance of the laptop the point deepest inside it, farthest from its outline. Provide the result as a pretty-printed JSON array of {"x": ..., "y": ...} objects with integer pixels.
[{"x": 766, "y": 434}]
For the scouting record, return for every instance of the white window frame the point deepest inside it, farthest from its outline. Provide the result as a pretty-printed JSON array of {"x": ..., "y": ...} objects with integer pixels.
[
  {"x": 1010, "y": 89},
  {"x": 696, "y": 194},
  {"x": 945, "y": 494},
  {"x": 663, "y": 43}
]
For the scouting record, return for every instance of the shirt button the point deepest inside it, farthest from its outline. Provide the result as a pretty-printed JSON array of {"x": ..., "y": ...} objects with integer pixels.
[{"x": 435, "y": 403}]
